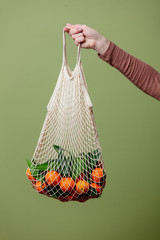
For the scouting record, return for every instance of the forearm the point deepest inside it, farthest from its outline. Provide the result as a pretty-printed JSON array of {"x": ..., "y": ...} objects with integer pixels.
[{"x": 138, "y": 72}]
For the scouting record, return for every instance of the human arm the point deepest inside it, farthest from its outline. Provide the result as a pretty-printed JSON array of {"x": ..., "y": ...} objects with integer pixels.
[
  {"x": 142, "y": 75},
  {"x": 138, "y": 72}
]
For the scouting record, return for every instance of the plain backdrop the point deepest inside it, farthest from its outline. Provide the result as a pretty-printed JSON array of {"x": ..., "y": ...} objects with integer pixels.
[{"x": 127, "y": 119}]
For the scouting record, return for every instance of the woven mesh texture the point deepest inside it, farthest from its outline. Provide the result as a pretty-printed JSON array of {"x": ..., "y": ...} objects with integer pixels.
[{"x": 67, "y": 163}]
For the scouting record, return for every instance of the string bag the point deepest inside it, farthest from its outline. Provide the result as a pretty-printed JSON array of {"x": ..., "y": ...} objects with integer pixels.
[{"x": 67, "y": 163}]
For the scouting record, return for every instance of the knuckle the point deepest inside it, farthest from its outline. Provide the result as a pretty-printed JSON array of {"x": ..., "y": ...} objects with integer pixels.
[
  {"x": 70, "y": 34},
  {"x": 74, "y": 30},
  {"x": 76, "y": 42},
  {"x": 78, "y": 35}
]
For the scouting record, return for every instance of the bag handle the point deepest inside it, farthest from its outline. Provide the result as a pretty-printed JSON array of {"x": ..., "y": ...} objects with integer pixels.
[{"x": 65, "y": 54}]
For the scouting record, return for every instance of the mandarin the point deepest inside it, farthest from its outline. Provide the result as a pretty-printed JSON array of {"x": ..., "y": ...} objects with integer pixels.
[
  {"x": 97, "y": 174},
  {"x": 82, "y": 186},
  {"x": 39, "y": 186},
  {"x": 67, "y": 184},
  {"x": 29, "y": 175},
  {"x": 96, "y": 186},
  {"x": 52, "y": 178}
]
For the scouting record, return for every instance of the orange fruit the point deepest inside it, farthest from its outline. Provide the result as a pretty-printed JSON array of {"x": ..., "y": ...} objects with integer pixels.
[
  {"x": 97, "y": 174},
  {"x": 96, "y": 186},
  {"x": 82, "y": 186},
  {"x": 69, "y": 198},
  {"x": 67, "y": 184},
  {"x": 29, "y": 175},
  {"x": 39, "y": 186},
  {"x": 52, "y": 178}
]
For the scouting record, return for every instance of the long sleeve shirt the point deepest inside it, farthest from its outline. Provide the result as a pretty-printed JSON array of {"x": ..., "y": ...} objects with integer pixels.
[{"x": 138, "y": 72}]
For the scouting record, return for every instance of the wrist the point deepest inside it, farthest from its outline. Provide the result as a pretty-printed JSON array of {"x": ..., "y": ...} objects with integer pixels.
[{"x": 102, "y": 45}]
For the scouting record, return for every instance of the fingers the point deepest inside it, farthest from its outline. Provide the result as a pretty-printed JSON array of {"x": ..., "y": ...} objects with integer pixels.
[
  {"x": 66, "y": 29},
  {"x": 73, "y": 25},
  {"x": 74, "y": 36},
  {"x": 79, "y": 40},
  {"x": 76, "y": 32},
  {"x": 72, "y": 31}
]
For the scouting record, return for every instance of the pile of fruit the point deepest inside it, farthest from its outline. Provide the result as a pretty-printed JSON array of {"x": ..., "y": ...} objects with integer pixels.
[{"x": 68, "y": 178}]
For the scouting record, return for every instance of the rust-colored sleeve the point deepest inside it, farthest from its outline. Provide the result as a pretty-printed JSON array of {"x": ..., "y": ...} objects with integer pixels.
[{"x": 138, "y": 72}]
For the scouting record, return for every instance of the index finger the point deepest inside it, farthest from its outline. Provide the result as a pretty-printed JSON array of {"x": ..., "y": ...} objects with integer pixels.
[{"x": 73, "y": 25}]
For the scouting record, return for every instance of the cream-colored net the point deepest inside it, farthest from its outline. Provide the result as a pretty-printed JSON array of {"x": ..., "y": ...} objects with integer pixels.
[{"x": 67, "y": 163}]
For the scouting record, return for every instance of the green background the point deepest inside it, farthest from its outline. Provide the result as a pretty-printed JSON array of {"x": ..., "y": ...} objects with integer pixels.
[{"x": 127, "y": 119}]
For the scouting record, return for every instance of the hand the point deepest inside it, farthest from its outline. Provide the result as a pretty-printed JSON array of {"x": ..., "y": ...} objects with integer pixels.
[{"x": 87, "y": 37}]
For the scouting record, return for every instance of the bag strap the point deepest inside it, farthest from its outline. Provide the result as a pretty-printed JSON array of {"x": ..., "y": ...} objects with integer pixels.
[{"x": 65, "y": 54}]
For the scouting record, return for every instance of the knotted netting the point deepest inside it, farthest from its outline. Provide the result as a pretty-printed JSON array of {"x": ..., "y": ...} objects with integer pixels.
[{"x": 67, "y": 163}]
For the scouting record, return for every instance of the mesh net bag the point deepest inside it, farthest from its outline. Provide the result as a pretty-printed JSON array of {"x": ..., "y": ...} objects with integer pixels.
[{"x": 67, "y": 163}]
